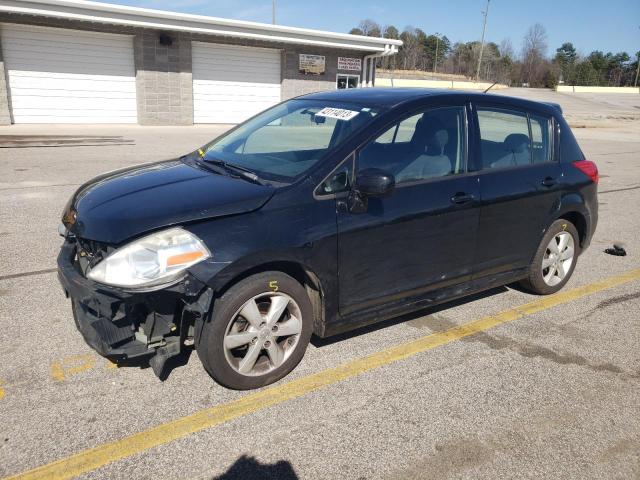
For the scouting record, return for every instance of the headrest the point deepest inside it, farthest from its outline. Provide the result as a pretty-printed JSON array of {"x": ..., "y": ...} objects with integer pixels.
[
  {"x": 430, "y": 133},
  {"x": 420, "y": 130},
  {"x": 517, "y": 142},
  {"x": 441, "y": 138}
]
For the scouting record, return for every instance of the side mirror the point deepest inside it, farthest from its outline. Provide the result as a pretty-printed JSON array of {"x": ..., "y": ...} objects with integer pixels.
[{"x": 373, "y": 182}]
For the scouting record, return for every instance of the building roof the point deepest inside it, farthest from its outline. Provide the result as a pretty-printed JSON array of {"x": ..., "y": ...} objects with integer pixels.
[{"x": 164, "y": 20}]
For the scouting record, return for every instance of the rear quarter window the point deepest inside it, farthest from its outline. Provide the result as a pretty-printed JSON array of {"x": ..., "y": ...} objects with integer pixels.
[
  {"x": 569, "y": 149},
  {"x": 541, "y": 138}
]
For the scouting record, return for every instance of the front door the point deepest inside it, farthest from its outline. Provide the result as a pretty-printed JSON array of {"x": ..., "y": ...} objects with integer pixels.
[
  {"x": 520, "y": 183},
  {"x": 423, "y": 235}
]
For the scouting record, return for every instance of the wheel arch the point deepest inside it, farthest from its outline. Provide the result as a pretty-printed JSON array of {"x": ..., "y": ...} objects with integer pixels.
[
  {"x": 579, "y": 220},
  {"x": 301, "y": 273},
  {"x": 572, "y": 207}
]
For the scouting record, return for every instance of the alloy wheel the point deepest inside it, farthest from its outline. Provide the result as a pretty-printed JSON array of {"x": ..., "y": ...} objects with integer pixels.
[
  {"x": 558, "y": 258},
  {"x": 263, "y": 333}
]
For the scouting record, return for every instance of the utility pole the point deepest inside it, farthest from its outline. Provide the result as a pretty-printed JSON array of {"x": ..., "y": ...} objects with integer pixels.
[
  {"x": 273, "y": 13},
  {"x": 635, "y": 84},
  {"x": 484, "y": 27},
  {"x": 435, "y": 64}
]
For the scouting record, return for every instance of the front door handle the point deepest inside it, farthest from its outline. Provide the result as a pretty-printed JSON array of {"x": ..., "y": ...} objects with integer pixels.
[
  {"x": 461, "y": 197},
  {"x": 549, "y": 182}
]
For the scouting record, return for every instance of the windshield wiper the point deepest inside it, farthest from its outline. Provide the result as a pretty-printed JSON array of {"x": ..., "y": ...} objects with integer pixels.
[{"x": 236, "y": 170}]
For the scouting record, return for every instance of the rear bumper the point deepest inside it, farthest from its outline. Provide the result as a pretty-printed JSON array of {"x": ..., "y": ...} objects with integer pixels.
[
  {"x": 592, "y": 222},
  {"x": 124, "y": 325}
]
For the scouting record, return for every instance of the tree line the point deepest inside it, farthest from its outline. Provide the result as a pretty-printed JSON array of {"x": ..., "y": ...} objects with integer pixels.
[{"x": 531, "y": 66}]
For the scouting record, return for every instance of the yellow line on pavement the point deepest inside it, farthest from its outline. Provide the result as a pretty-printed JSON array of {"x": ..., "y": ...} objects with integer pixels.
[
  {"x": 72, "y": 365},
  {"x": 101, "y": 455}
]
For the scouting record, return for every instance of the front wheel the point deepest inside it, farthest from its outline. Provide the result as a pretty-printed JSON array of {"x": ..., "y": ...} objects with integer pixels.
[
  {"x": 555, "y": 259},
  {"x": 258, "y": 331}
]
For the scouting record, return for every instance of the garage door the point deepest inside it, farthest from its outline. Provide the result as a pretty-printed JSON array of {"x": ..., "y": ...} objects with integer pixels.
[
  {"x": 231, "y": 83},
  {"x": 69, "y": 76}
]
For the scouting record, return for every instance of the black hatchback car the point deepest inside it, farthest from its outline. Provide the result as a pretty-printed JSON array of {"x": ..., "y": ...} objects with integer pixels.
[{"x": 322, "y": 214}]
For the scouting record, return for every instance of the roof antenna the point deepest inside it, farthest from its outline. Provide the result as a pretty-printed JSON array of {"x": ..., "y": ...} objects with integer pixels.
[{"x": 492, "y": 85}]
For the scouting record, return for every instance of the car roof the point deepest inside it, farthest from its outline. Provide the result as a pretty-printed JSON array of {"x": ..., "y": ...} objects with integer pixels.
[
  {"x": 376, "y": 97},
  {"x": 390, "y": 97}
]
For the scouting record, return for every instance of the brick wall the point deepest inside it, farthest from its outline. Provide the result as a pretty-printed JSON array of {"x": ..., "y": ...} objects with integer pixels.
[
  {"x": 295, "y": 83},
  {"x": 164, "y": 81},
  {"x": 164, "y": 84}
]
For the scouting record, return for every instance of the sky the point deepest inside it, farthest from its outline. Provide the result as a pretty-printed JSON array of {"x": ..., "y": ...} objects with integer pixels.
[{"x": 607, "y": 25}]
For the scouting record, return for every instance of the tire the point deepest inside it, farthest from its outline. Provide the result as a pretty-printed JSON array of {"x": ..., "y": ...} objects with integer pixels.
[
  {"x": 542, "y": 280},
  {"x": 244, "y": 312}
]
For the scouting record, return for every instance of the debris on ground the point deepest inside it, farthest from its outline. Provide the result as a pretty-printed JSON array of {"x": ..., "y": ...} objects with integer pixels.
[{"x": 617, "y": 250}]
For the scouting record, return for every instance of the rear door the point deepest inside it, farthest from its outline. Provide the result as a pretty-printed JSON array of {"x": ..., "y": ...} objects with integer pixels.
[{"x": 520, "y": 181}]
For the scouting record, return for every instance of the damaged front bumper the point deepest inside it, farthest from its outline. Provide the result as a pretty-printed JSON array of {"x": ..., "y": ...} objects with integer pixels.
[{"x": 124, "y": 325}]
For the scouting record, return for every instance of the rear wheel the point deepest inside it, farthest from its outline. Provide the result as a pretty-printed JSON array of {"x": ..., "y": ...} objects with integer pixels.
[
  {"x": 555, "y": 259},
  {"x": 258, "y": 331}
]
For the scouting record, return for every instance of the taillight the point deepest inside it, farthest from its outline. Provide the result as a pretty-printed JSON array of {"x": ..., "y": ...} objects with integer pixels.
[{"x": 589, "y": 168}]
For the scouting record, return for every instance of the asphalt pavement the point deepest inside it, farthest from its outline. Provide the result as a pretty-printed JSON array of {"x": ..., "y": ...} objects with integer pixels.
[{"x": 550, "y": 390}]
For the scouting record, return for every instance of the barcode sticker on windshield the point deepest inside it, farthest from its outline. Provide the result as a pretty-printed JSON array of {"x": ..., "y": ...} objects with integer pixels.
[{"x": 338, "y": 113}]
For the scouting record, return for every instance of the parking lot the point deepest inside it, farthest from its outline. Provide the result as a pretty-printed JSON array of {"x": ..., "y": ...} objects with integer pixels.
[{"x": 500, "y": 385}]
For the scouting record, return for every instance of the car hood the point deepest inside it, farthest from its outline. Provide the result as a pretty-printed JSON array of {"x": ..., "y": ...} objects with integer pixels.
[{"x": 123, "y": 204}]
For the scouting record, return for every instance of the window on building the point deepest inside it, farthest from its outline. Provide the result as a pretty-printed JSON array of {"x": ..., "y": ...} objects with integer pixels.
[{"x": 347, "y": 81}]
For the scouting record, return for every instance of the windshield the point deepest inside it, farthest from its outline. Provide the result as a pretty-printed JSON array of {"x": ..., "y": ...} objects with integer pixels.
[{"x": 285, "y": 141}]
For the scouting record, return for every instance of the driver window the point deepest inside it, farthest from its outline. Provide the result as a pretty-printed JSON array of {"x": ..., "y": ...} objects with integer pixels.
[{"x": 428, "y": 145}]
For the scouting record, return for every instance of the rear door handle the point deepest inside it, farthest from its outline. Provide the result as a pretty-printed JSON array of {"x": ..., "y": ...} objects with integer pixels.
[
  {"x": 549, "y": 182},
  {"x": 461, "y": 197}
]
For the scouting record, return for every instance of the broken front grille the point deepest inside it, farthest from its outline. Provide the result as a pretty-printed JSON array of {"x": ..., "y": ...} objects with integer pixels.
[{"x": 89, "y": 253}]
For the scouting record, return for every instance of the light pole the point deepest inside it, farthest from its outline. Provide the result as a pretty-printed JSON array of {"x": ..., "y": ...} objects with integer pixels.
[
  {"x": 435, "y": 64},
  {"x": 484, "y": 27},
  {"x": 273, "y": 12}
]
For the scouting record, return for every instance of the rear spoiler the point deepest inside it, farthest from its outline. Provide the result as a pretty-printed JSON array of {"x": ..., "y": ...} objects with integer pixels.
[{"x": 554, "y": 105}]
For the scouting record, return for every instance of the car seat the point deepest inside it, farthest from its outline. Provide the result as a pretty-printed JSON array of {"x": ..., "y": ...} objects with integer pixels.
[
  {"x": 429, "y": 142},
  {"x": 518, "y": 151}
]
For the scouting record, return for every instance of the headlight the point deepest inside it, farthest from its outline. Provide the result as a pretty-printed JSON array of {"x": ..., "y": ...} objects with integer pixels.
[{"x": 153, "y": 260}]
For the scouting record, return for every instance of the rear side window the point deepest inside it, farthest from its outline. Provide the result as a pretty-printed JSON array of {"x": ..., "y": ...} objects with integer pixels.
[{"x": 512, "y": 139}]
